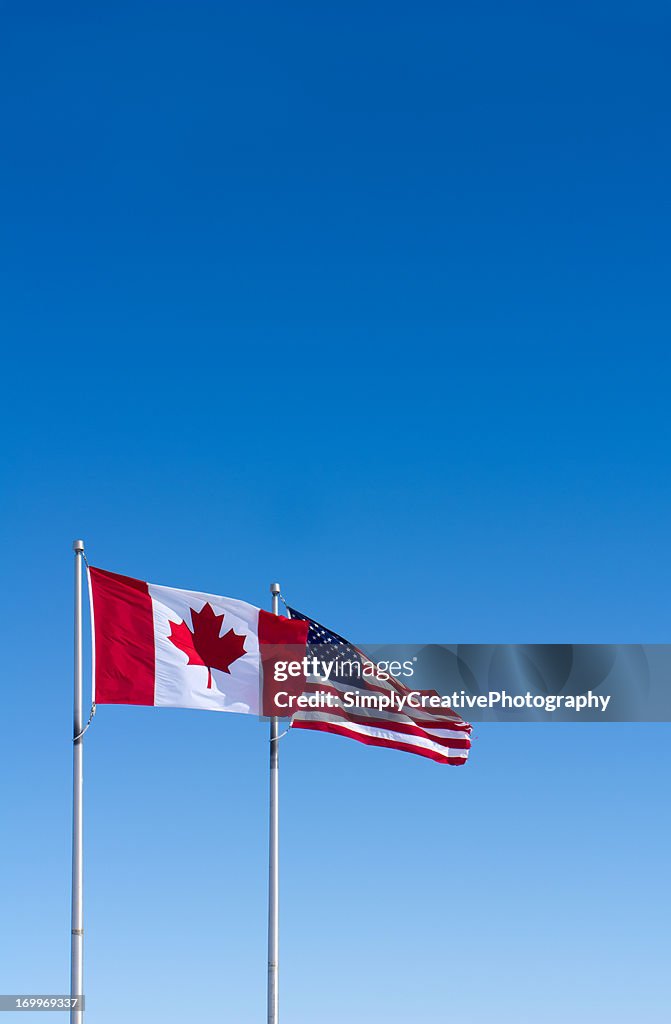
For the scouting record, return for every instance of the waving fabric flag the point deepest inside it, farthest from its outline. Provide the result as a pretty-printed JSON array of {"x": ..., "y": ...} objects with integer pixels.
[
  {"x": 439, "y": 734},
  {"x": 179, "y": 648}
]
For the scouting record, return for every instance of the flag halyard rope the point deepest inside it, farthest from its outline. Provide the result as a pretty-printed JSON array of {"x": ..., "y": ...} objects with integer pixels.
[{"x": 79, "y": 736}]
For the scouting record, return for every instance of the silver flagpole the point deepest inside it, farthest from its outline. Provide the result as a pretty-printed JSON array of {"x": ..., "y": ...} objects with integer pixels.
[
  {"x": 77, "y": 933},
  {"x": 273, "y": 859}
]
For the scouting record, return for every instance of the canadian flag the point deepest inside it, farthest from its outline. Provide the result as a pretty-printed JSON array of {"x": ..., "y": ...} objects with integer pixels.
[{"x": 183, "y": 649}]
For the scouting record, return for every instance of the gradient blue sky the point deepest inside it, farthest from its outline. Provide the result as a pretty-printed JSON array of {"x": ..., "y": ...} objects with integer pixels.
[{"x": 371, "y": 299}]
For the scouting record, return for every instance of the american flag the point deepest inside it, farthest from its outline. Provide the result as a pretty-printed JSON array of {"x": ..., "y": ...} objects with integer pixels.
[{"x": 437, "y": 733}]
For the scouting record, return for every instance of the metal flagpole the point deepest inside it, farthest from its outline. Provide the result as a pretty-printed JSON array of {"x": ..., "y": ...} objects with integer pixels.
[
  {"x": 77, "y": 934},
  {"x": 273, "y": 859}
]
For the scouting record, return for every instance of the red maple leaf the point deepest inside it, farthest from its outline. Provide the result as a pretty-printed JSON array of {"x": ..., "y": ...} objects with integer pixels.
[{"x": 203, "y": 645}]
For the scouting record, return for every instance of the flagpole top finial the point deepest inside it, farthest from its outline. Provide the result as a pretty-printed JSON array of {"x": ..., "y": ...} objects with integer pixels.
[
  {"x": 274, "y": 588},
  {"x": 78, "y": 545}
]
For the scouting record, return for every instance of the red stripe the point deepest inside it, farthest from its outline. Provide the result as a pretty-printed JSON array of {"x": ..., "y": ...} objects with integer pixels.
[
  {"x": 123, "y": 622},
  {"x": 409, "y": 727},
  {"x": 376, "y": 741}
]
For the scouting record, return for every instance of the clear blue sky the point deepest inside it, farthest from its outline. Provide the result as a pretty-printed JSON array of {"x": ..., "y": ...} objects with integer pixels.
[{"x": 371, "y": 299}]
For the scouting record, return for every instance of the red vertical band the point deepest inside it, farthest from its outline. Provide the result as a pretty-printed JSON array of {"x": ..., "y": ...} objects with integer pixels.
[
  {"x": 123, "y": 624},
  {"x": 280, "y": 640}
]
